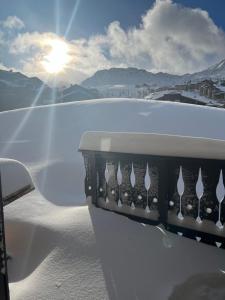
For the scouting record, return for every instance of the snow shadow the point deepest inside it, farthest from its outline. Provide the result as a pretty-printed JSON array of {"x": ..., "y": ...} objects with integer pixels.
[
  {"x": 60, "y": 183},
  {"x": 137, "y": 264},
  {"x": 24, "y": 247}
]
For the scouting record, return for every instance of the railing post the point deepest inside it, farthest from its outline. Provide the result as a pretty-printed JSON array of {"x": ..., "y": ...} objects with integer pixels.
[
  {"x": 94, "y": 180},
  {"x": 4, "y": 287},
  {"x": 163, "y": 190}
]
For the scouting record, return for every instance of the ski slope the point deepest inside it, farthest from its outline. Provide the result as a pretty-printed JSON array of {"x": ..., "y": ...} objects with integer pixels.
[{"x": 62, "y": 248}]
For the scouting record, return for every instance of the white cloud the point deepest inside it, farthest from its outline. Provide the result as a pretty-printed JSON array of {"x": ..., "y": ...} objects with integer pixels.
[
  {"x": 33, "y": 49},
  {"x": 27, "y": 42},
  {"x": 13, "y": 22},
  {"x": 171, "y": 38}
]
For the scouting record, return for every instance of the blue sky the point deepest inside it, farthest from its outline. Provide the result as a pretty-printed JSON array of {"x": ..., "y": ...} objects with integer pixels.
[
  {"x": 172, "y": 37},
  {"x": 93, "y": 15}
]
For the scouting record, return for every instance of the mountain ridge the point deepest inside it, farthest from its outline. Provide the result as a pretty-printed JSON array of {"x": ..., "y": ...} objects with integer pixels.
[
  {"x": 131, "y": 75},
  {"x": 18, "y": 90}
]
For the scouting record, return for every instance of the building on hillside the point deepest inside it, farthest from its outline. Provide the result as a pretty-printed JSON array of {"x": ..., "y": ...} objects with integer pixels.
[
  {"x": 177, "y": 97},
  {"x": 143, "y": 90}
]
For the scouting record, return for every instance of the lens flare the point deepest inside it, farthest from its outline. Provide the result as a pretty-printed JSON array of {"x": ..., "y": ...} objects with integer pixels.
[{"x": 58, "y": 58}]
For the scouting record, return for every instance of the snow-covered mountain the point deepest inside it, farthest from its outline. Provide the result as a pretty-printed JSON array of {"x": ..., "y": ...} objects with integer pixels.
[
  {"x": 18, "y": 91},
  {"x": 17, "y": 79},
  {"x": 129, "y": 76},
  {"x": 77, "y": 92},
  {"x": 134, "y": 76},
  {"x": 216, "y": 71}
]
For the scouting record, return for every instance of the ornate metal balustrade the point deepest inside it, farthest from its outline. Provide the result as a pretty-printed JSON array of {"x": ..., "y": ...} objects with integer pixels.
[
  {"x": 184, "y": 194},
  {"x": 4, "y": 289}
]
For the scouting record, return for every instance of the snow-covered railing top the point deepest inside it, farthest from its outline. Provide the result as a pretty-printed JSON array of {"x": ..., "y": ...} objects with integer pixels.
[
  {"x": 173, "y": 180},
  {"x": 153, "y": 144},
  {"x": 15, "y": 181}
]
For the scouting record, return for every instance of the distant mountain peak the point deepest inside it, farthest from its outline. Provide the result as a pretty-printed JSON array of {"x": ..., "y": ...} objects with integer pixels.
[
  {"x": 216, "y": 71},
  {"x": 129, "y": 76},
  {"x": 135, "y": 76},
  {"x": 218, "y": 66}
]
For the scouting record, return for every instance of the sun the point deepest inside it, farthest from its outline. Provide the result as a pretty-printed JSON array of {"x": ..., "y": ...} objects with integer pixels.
[{"x": 58, "y": 58}]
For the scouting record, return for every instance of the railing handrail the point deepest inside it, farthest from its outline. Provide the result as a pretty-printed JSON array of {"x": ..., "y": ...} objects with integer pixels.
[{"x": 153, "y": 144}]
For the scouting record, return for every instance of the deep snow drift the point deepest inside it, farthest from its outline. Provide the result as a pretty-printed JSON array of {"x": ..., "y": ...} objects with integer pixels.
[{"x": 62, "y": 249}]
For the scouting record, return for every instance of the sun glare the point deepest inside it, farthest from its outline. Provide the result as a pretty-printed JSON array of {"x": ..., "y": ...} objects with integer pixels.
[{"x": 58, "y": 58}]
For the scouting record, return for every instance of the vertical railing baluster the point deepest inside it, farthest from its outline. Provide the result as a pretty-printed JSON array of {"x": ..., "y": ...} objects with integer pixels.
[
  {"x": 106, "y": 174},
  {"x": 126, "y": 188},
  {"x": 180, "y": 189},
  {"x": 153, "y": 193},
  {"x": 133, "y": 182},
  {"x": 147, "y": 187},
  {"x": 100, "y": 169},
  {"x": 209, "y": 201},
  {"x": 93, "y": 179},
  {"x": 112, "y": 190},
  {"x": 190, "y": 201},
  {"x": 199, "y": 193},
  {"x": 87, "y": 182},
  {"x": 220, "y": 193},
  {"x": 4, "y": 288},
  {"x": 119, "y": 181},
  {"x": 139, "y": 167},
  {"x": 163, "y": 190}
]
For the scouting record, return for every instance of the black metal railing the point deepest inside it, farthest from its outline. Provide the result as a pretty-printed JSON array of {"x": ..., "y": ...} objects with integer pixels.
[
  {"x": 184, "y": 194},
  {"x": 4, "y": 288}
]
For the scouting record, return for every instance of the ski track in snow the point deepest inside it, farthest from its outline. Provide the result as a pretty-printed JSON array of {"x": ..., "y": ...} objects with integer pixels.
[{"x": 64, "y": 249}]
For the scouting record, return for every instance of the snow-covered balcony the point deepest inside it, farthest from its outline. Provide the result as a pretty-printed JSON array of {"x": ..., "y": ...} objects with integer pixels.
[{"x": 63, "y": 249}]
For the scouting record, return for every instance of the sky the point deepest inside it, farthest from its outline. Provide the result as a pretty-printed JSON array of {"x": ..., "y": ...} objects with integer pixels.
[{"x": 73, "y": 39}]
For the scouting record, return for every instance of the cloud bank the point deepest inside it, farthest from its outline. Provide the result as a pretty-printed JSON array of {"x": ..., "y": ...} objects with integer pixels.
[{"x": 170, "y": 38}]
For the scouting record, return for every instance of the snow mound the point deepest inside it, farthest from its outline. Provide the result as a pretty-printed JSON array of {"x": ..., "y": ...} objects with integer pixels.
[{"x": 15, "y": 178}]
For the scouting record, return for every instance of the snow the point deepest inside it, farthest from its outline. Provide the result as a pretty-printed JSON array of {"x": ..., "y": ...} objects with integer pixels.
[
  {"x": 10, "y": 84},
  {"x": 118, "y": 90},
  {"x": 153, "y": 144},
  {"x": 204, "y": 99},
  {"x": 15, "y": 178},
  {"x": 129, "y": 77},
  {"x": 63, "y": 249},
  {"x": 188, "y": 94},
  {"x": 220, "y": 65},
  {"x": 216, "y": 71},
  {"x": 221, "y": 87},
  {"x": 159, "y": 94}
]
